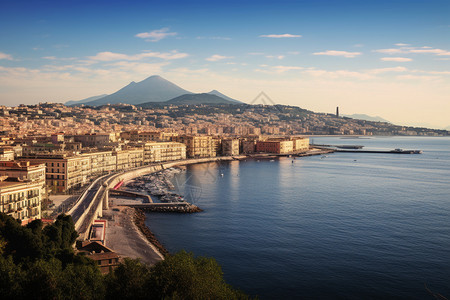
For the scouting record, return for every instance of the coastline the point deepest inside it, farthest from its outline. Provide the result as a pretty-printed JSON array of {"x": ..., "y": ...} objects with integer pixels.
[
  {"x": 139, "y": 220},
  {"x": 137, "y": 215}
]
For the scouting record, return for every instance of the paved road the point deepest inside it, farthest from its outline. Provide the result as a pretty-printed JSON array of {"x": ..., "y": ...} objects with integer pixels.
[{"x": 76, "y": 214}]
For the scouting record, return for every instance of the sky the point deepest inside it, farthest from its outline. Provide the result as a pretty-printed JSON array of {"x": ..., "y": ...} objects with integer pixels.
[{"x": 380, "y": 58}]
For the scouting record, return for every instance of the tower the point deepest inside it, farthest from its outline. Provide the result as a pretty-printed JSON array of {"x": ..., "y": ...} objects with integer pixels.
[{"x": 337, "y": 111}]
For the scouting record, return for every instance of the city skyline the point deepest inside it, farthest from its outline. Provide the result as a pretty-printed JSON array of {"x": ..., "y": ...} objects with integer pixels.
[{"x": 380, "y": 58}]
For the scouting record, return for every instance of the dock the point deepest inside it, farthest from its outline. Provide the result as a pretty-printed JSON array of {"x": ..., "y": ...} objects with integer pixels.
[
  {"x": 381, "y": 151},
  {"x": 176, "y": 207}
]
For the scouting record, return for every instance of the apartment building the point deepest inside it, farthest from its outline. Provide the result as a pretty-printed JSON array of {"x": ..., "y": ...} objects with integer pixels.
[
  {"x": 63, "y": 172},
  {"x": 300, "y": 144},
  {"x": 165, "y": 151},
  {"x": 22, "y": 188},
  {"x": 6, "y": 154},
  {"x": 129, "y": 158},
  {"x": 275, "y": 146},
  {"x": 230, "y": 147},
  {"x": 21, "y": 200},
  {"x": 95, "y": 139},
  {"x": 198, "y": 146}
]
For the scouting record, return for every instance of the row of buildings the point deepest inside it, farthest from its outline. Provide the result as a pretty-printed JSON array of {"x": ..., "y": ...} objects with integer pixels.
[{"x": 33, "y": 167}]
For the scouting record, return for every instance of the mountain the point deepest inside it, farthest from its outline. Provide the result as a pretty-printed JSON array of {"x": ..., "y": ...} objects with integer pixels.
[
  {"x": 153, "y": 89},
  {"x": 77, "y": 102},
  {"x": 217, "y": 93},
  {"x": 367, "y": 118},
  {"x": 192, "y": 99}
]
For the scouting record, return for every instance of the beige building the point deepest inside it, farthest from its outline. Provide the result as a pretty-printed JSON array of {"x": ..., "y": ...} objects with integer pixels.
[
  {"x": 23, "y": 171},
  {"x": 6, "y": 154},
  {"x": 101, "y": 162},
  {"x": 22, "y": 188},
  {"x": 275, "y": 146},
  {"x": 129, "y": 158},
  {"x": 198, "y": 146},
  {"x": 21, "y": 200},
  {"x": 230, "y": 147},
  {"x": 300, "y": 144},
  {"x": 165, "y": 151},
  {"x": 63, "y": 172},
  {"x": 95, "y": 139}
]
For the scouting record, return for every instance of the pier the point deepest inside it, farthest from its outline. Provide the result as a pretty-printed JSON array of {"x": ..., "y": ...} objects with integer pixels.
[
  {"x": 381, "y": 151},
  {"x": 176, "y": 207}
]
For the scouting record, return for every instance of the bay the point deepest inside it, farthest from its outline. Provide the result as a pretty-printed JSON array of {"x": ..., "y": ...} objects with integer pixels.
[{"x": 344, "y": 225}]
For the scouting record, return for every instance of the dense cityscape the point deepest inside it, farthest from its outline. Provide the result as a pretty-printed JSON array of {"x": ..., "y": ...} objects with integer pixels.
[{"x": 224, "y": 150}]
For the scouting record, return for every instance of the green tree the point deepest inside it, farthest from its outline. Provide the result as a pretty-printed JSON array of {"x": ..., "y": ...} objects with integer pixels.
[
  {"x": 128, "y": 281},
  {"x": 182, "y": 276},
  {"x": 82, "y": 281},
  {"x": 21, "y": 242},
  {"x": 11, "y": 277}
]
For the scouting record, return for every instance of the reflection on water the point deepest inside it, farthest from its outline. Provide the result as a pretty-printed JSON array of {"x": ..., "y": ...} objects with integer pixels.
[{"x": 376, "y": 227}]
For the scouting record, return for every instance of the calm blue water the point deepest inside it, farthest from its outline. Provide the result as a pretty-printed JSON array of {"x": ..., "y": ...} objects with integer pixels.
[{"x": 349, "y": 226}]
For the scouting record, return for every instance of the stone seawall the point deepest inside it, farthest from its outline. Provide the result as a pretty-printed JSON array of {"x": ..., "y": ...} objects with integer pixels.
[{"x": 165, "y": 165}]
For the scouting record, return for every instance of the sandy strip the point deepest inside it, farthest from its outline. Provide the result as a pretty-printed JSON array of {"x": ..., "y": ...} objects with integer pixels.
[{"x": 124, "y": 237}]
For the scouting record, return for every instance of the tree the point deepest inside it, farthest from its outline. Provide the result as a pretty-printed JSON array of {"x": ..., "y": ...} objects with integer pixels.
[
  {"x": 128, "y": 281},
  {"x": 186, "y": 277}
]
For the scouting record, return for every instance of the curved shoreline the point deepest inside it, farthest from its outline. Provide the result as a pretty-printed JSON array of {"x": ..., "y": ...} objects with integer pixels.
[
  {"x": 139, "y": 216},
  {"x": 139, "y": 220}
]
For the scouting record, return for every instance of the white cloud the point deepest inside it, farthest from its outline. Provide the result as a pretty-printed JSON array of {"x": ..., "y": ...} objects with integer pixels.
[
  {"x": 427, "y": 50},
  {"x": 339, "y": 74},
  {"x": 390, "y": 51},
  {"x": 225, "y": 38},
  {"x": 418, "y": 77},
  {"x": 5, "y": 56},
  {"x": 404, "y": 48},
  {"x": 338, "y": 53},
  {"x": 155, "y": 35},
  {"x": 280, "y": 36},
  {"x": 255, "y": 53},
  {"x": 277, "y": 69},
  {"x": 294, "y": 52},
  {"x": 217, "y": 57},
  {"x": 111, "y": 56},
  {"x": 385, "y": 70},
  {"x": 402, "y": 45},
  {"x": 396, "y": 59},
  {"x": 275, "y": 56}
]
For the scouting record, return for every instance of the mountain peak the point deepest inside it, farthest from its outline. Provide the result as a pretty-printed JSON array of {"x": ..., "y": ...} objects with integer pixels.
[{"x": 152, "y": 89}]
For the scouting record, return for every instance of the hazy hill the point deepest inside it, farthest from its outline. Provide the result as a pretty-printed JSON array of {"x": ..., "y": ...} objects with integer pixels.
[
  {"x": 367, "y": 118},
  {"x": 192, "y": 99},
  {"x": 77, "y": 102},
  {"x": 217, "y": 93},
  {"x": 153, "y": 89}
]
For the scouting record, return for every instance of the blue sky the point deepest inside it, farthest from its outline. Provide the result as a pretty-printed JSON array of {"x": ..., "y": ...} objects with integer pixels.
[{"x": 387, "y": 58}]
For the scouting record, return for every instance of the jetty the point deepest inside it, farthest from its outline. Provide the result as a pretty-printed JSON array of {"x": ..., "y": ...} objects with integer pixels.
[
  {"x": 176, "y": 207},
  {"x": 396, "y": 151},
  {"x": 337, "y": 146}
]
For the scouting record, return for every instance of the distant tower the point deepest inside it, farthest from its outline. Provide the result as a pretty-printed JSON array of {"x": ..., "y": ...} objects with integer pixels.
[{"x": 337, "y": 111}]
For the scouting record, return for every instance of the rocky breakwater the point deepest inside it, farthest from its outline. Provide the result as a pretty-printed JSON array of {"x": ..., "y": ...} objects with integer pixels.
[
  {"x": 139, "y": 220},
  {"x": 171, "y": 208}
]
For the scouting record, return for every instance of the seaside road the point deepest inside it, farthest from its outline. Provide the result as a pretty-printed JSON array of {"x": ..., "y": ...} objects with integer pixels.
[{"x": 123, "y": 236}]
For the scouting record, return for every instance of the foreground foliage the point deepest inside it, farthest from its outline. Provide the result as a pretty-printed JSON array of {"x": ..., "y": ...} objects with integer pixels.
[{"x": 39, "y": 262}]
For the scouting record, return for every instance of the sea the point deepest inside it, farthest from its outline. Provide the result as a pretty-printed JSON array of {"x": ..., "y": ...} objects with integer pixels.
[{"x": 335, "y": 226}]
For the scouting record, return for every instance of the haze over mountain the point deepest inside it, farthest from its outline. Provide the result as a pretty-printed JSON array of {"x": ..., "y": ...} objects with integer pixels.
[
  {"x": 193, "y": 99},
  {"x": 154, "y": 89},
  {"x": 367, "y": 118},
  {"x": 76, "y": 102},
  {"x": 217, "y": 93}
]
